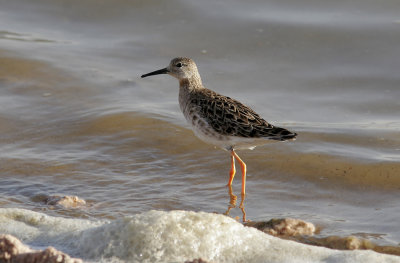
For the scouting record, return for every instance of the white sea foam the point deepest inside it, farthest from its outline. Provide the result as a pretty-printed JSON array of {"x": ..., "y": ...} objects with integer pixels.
[{"x": 176, "y": 236}]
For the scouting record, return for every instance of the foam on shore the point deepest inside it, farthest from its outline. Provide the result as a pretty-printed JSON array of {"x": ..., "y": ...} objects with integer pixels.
[{"x": 175, "y": 236}]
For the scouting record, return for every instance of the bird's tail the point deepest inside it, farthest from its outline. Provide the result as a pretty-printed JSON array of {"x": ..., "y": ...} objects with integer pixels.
[{"x": 281, "y": 134}]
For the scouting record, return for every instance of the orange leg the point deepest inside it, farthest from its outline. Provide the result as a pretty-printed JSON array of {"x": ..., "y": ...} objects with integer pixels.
[
  {"x": 233, "y": 170},
  {"x": 243, "y": 165}
]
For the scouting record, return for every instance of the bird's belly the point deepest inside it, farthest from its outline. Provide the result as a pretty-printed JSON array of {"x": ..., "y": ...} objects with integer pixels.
[
  {"x": 203, "y": 130},
  {"x": 211, "y": 137},
  {"x": 228, "y": 142},
  {"x": 206, "y": 133}
]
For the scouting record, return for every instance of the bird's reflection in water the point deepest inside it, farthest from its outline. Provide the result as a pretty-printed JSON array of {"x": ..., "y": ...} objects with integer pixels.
[{"x": 232, "y": 203}]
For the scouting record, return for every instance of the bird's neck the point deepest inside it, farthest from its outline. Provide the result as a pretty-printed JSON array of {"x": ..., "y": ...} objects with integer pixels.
[
  {"x": 188, "y": 87},
  {"x": 192, "y": 83}
]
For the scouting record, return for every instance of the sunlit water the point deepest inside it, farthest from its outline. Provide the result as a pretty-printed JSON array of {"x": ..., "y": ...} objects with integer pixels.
[{"x": 76, "y": 119}]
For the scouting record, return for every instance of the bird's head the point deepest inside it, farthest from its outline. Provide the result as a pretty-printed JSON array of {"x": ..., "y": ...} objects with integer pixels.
[{"x": 180, "y": 68}]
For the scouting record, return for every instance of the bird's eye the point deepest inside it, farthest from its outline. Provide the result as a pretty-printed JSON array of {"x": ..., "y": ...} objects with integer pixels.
[{"x": 179, "y": 65}]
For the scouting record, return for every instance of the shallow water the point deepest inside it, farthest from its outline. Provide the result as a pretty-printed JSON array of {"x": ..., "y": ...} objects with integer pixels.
[{"x": 76, "y": 119}]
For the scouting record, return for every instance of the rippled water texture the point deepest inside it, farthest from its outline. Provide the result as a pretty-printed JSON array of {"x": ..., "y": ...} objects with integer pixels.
[{"x": 76, "y": 119}]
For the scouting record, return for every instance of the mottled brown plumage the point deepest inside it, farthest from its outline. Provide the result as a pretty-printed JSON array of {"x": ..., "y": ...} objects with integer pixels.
[
  {"x": 218, "y": 119},
  {"x": 230, "y": 117}
]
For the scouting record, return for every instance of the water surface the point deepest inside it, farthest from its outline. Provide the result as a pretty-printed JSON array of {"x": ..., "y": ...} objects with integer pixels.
[{"x": 76, "y": 119}]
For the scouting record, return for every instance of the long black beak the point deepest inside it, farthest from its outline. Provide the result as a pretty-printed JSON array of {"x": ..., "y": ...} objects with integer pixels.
[{"x": 160, "y": 71}]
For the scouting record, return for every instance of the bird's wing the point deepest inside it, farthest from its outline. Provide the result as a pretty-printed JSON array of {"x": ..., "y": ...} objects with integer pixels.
[{"x": 230, "y": 117}]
